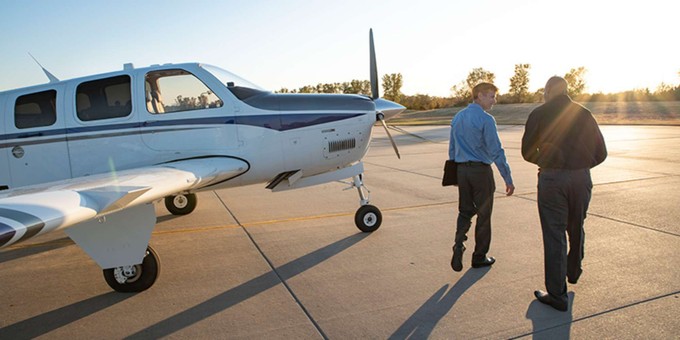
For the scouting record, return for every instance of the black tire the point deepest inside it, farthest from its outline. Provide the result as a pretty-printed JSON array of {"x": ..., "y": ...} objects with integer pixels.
[
  {"x": 182, "y": 204},
  {"x": 142, "y": 277},
  {"x": 368, "y": 218}
]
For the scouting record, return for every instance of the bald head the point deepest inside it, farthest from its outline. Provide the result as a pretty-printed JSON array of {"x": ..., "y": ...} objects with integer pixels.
[{"x": 554, "y": 87}]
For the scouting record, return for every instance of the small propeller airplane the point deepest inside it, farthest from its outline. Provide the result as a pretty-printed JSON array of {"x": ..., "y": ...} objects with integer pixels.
[{"x": 91, "y": 155}]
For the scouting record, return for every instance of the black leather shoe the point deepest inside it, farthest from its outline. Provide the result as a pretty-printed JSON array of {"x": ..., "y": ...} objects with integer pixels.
[
  {"x": 544, "y": 297},
  {"x": 484, "y": 263},
  {"x": 457, "y": 259}
]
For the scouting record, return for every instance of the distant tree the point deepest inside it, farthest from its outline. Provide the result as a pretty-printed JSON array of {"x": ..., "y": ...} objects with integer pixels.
[
  {"x": 307, "y": 89},
  {"x": 537, "y": 96},
  {"x": 576, "y": 80},
  {"x": 357, "y": 87},
  {"x": 479, "y": 75},
  {"x": 462, "y": 93},
  {"x": 392, "y": 86},
  {"x": 329, "y": 88},
  {"x": 519, "y": 83},
  {"x": 667, "y": 92},
  {"x": 425, "y": 102}
]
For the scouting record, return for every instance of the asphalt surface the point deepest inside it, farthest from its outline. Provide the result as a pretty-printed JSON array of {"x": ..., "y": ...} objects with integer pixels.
[{"x": 253, "y": 264}]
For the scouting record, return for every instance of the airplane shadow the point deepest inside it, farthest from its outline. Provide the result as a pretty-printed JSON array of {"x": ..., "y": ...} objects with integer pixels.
[
  {"x": 548, "y": 323},
  {"x": 164, "y": 218},
  {"x": 423, "y": 321},
  {"x": 246, "y": 290},
  {"x": 19, "y": 252},
  {"x": 49, "y": 321}
]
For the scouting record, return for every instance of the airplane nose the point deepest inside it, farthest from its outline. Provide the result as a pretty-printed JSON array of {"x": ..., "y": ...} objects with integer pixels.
[{"x": 388, "y": 108}]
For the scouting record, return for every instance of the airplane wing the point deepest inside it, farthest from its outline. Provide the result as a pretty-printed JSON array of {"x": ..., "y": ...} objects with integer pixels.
[{"x": 106, "y": 210}]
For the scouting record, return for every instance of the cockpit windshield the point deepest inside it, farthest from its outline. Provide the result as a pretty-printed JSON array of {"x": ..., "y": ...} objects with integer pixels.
[{"x": 230, "y": 79}]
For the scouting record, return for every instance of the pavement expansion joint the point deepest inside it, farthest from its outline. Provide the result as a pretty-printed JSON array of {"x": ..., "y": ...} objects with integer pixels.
[
  {"x": 583, "y": 318},
  {"x": 273, "y": 269}
]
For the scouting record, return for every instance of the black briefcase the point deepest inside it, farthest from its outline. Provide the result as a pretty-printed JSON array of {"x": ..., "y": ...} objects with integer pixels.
[{"x": 450, "y": 173}]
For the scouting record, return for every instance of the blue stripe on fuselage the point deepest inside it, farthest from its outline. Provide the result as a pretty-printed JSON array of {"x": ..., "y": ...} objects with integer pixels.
[{"x": 279, "y": 122}]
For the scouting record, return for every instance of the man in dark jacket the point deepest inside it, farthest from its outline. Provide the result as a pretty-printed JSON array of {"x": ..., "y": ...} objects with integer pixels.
[{"x": 564, "y": 140}]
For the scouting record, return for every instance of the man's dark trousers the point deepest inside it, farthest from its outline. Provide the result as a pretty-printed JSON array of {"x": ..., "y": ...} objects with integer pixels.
[
  {"x": 563, "y": 198},
  {"x": 475, "y": 197}
]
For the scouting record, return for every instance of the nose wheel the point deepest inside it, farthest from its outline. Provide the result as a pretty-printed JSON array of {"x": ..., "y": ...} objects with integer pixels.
[{"x": 368, "y": 217}]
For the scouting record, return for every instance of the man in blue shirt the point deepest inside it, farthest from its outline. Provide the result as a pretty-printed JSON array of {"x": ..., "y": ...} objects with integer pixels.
[{"x": 474, "y": 145}]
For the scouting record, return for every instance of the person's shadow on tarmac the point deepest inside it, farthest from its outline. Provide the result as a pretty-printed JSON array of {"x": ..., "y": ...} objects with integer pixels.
[
  {"x": 423, "y": 321},
  {"x": 548, "y": 323}
]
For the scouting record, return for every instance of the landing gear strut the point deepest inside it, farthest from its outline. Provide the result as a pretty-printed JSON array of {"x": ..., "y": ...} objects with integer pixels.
[
  {"x": 367, "y": 218},
  {"x": 135, "y": 278}
]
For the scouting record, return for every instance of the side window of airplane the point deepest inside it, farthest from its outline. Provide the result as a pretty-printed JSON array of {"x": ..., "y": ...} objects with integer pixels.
[
  {"x": 104, "y": 98},
  {"x": 35, "y": 110},
  {"x": 177, "y": 90}
]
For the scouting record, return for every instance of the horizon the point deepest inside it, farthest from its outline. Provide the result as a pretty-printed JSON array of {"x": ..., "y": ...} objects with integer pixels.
[{"x": 433, "y": 44}]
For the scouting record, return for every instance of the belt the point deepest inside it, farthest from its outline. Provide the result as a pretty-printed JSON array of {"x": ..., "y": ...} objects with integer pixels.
[{"x": 473, "y": 164}]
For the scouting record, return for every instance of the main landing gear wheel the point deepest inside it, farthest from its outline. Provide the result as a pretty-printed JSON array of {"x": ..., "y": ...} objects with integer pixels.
[
  {"x": 368, "y": 218},
  {"x": 135, "y": 278},
  {"x": 182, "y": 204}
]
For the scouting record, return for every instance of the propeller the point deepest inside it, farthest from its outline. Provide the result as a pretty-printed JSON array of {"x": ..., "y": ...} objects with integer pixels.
[
  {"x": 394, "y": 145},
  {"x": 375, "y": 94}
]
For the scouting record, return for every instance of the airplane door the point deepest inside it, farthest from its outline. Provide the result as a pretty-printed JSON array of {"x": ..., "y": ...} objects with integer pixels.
[
  {"x": 36, "y": 140},
  {"x": 184, "y": 116}
]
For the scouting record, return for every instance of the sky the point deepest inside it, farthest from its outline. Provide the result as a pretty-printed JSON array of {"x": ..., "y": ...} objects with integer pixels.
[{"x": 623, "y": 44}]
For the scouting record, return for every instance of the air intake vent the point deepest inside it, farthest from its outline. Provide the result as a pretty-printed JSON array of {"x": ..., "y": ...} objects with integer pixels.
[{"x": 339, "y": 145}]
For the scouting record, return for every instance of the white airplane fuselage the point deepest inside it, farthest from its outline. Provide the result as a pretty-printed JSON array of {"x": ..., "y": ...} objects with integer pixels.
[
  {"x": 91, "y": 155},
  {"x": 115, "y": 121}
]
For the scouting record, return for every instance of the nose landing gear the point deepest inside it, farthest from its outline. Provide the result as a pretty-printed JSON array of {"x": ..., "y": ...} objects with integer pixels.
[{"x": 368, "y": 217}]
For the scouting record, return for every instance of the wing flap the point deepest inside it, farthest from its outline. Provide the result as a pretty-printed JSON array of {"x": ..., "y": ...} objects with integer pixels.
[{"x": 110, "y": 199}]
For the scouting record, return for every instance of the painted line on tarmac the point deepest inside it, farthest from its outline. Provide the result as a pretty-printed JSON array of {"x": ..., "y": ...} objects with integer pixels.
[
  {"x": 316, "y": 217},
  {"x": 190, "y": 230},
  {"x": 249, "y": 224}
]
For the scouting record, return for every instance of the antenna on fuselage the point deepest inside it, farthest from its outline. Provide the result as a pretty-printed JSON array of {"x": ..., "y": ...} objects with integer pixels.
[{"x": 49, "y": 75}]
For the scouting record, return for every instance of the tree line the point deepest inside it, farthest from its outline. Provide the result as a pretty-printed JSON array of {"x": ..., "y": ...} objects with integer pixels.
[{"x": 518, "y": 92}]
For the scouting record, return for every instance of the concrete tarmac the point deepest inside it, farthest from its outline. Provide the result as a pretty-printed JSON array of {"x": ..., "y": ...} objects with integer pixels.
[{"x": 292, "y": 265}]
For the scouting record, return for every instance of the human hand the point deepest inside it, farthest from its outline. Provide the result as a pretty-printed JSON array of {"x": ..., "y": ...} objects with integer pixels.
[{"x": 509, "y": 189}]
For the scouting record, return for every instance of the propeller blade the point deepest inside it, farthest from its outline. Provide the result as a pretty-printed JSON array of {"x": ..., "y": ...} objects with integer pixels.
[
  {"x": 394, "y": 145},
  {"x": 375, "y": 94}
]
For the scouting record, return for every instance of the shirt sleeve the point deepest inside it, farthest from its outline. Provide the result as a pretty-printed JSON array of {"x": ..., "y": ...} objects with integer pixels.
[
  {"x": 493, "y": 143},
  {"x": 530, "y": 140},
  {"x": 598, "y": 148}
]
